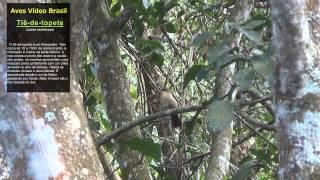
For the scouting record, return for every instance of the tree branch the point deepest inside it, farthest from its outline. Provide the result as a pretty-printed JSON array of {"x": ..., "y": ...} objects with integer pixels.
[
  {"x": 260, "y": 100},
  {"x": 106, "y": 138},
  {"x": 251, "y": 128},
  {"x": 256, "y": 122},
  {"x": 257, "y": 95},
  {"x": 150, "y": 118}
]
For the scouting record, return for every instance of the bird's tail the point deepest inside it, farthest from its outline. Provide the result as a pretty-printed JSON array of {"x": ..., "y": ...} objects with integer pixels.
[{"x": 176, "y": 121}]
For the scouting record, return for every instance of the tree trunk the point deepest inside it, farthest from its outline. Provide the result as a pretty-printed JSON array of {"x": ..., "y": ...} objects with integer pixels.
[
  {"x": 46, "y": 135},
  {"x": 112, "y": 75},
  {"x": 297, "y": 88},
  {"x": 222, "y": 142}
]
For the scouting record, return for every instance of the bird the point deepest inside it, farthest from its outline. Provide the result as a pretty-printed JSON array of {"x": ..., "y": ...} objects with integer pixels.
[{"x": 167, "y": 101}]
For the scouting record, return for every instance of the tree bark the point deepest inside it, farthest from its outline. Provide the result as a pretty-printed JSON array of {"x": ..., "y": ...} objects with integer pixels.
[
  {"x": 114, "y": 85},
  {"x": 222, "y": 142},
  {"x": 297, "y": 88},
  {"x": 46, "y": 135}
]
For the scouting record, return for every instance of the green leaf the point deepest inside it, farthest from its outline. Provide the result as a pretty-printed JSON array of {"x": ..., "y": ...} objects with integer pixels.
[
  {"x": 202, "y": 74},
  {"x": 170, "y": 28},
  {"x": 146, "y": 147},
  {"x": 253, "y": 24},
  {"x": 115, "y": 9},
  {"x": 244, "y": 78},
  {"x": 159, "y": 7},
  {"x": 94, "y": 71},
  {"x": 152, "y": 44},
  {"x": 192, "y": 73},
  {"x": 245, "y": 170},
  {"x": 152, "y": 21},
  {"x": 103, "y": 117},
  {"x": 265, "y": 68},
  {"x": 93, "y": 125},
  {"x": 91, "y": 100},
  {"x": 220, "y": 115},
  {"x": 229, "y": 26},
  {"x": 157, "y": 59},
  {"x": 264, "y": 65},
  {"x": 225, "y": 60},
  {"x": 133, "y": 92},
  {"x": 138, "y": 5},
  {"x": 200, "y": 39},
  {"x": 218, "y": 51},
  {"x": 258, "y": 23},
  {"x": 261, "y": 155},
  {"x": 252, "y": 35},
  {"x": 89, "y": 71},
  {"x": 139, "y": 29}
]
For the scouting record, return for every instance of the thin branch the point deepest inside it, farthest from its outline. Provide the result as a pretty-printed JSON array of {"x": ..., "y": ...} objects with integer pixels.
[
  {"x": 256, "y": 122},
  {"x": 257, "y": 95},
  {"x": 260, "y": 100},
  {"x": 106, "y": 138},
  {"x": 252, "y": 129},
  {"x": 250, "y": 135},
  {"x": 196, "y": 157}
]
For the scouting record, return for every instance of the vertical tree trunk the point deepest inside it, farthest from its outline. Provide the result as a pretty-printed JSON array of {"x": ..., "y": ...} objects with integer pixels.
[
  {"x": 112, "y": 75},
  {"x": 297, "y": 87},
  {"x": 45, "y": 135},
  {"x": 222, "y": 142}
]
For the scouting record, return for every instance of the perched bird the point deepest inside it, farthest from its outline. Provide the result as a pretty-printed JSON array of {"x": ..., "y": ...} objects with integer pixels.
[{"x": 167, "y": 101}]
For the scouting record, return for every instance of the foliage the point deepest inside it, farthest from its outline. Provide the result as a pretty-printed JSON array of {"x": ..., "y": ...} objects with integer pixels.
[
  {"x": 187, "y": 43},
  {"x": 146, "y": 147}
]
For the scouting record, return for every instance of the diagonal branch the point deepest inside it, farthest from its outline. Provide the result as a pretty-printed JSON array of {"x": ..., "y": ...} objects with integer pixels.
[
  {"x": 256, "y": 122},
  {"x": 106, "y": 138}
]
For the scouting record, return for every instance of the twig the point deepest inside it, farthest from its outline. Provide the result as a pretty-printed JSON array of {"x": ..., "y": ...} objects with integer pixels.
[
  {"x": 260, "y": 100},
  {"x": 255, "y": 94},
  {"x": 196, "y": 157},
  {"x": 256, "y": 122},
  {"x": 252, "y": 128}
]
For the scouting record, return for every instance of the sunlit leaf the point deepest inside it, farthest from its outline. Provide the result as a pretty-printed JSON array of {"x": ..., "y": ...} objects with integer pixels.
[
  {"x": 115, "y": 9},
  {"x": 146, "y": 3},
  {"x": 220, "y": 115},
  {"x": 264, "y": 64}
]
